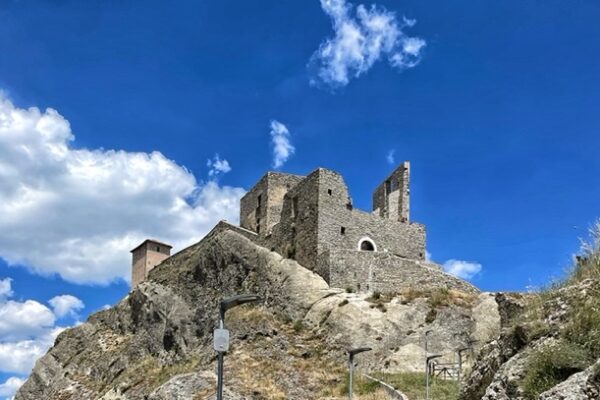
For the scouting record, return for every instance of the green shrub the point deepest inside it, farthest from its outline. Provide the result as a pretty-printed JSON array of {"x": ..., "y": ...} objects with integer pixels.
[
  {"x": 551, "y": 365},
  {"x": 583, "y": 328},
  {"x": 431, "y": 315},
  {"x": 298, "y": 326}
]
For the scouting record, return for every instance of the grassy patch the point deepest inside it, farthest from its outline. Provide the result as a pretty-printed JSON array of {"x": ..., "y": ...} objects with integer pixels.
[
  {"x": 360, "y": 385},
  {"x": 412, "y": 384},
  {"x": 552, "y": 365},
  {"x": 436, "y": 298}
]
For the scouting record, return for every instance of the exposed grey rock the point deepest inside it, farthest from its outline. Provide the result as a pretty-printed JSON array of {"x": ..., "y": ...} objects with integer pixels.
[
  {"x": 126, "y": 352},
  {"x": 491, "y": 357},
  {"x": 584, "y": 385}
]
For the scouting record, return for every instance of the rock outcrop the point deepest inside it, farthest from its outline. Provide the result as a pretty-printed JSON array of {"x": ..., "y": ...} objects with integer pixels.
[
  {"x": 548, "y": 342},
  {"x": 157, "y": 342}
]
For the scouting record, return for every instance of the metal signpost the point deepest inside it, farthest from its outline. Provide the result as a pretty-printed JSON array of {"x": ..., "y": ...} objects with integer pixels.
[
  {"x": 351, "y": 354},
  {"x": 221, "y": 335}
]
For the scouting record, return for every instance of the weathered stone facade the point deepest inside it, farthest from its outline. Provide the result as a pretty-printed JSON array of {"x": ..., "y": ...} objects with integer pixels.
[{"x": 312, "y": 220}]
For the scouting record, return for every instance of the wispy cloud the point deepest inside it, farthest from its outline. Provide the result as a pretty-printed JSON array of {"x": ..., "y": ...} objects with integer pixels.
[
  {"x": 280, "y": 140},
  {"x": 217, "y": 166},
  {"x": 361, "y": 38},
  {"x": 462, "y": 269},
  {"x": 69, "y": 200},
  {"x": 391, "y": 157}
]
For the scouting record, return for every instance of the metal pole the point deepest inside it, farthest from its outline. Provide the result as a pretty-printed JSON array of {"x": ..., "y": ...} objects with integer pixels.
[
  {"x": 351, "y": 372},
  {"x": 427, "y": 379},
  {"x": 220, "y": 369},
  {"x": 427, "y": 364}
]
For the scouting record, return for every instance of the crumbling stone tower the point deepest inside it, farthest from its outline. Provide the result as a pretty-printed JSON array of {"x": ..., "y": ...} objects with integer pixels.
[{"x": 391, "y": 199}]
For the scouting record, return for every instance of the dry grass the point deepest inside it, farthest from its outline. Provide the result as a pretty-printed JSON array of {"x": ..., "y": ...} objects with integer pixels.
[
  {"x": 280, "y": 360},
  {"x": 587, "y": 263},
  {"x": 439, "y": 297}
]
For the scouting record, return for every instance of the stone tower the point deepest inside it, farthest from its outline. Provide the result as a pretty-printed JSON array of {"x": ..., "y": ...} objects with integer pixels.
[
  {"x": 391, "y": 199},
  {"x": 146, "y": 256}
]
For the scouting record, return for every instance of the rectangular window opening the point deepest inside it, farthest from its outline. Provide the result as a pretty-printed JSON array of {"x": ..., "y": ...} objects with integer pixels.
[
  {"x": 343, "y": 230},
  {"x": 329, "y": 192},
  {"x": 294, "y": 207}
]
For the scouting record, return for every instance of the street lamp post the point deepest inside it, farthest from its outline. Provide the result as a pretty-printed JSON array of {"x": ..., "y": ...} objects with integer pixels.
[
  {"x": 427, "y": 333},
  {"x": 351, "y": 354},
  {"x": 221, "y": 335}
]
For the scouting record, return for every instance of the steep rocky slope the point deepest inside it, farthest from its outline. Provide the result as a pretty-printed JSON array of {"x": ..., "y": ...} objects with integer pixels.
[
  {"x": 551, "y": 348},
  {"x": 157, "y": 342}
]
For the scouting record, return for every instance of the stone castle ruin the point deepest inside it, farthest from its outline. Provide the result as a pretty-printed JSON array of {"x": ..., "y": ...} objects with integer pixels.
[{"x": 312, "y": 220}]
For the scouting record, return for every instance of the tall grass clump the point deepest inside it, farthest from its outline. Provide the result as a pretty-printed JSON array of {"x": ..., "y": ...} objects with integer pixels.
[
  {"x": 578, "y": 337},
  {"x": 587, "y": 263}
]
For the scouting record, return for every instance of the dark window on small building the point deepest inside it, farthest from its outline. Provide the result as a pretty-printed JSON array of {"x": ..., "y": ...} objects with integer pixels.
[
  {"x": 388, "y": 187},
  {"x": 367, "y": 246},
  {"x": 157, "y": 248},
  {"x": 259, "y": 200},
  {"x": 257, "y": 225},
  {"x": 329, "y": 192},
  {"x": 343, "y": 230}
]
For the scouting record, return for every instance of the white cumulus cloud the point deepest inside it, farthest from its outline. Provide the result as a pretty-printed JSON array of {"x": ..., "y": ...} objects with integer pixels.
[
  {"x": 361, "y": 38},
  {"x": 217, "y": 166},
  {"x": 27, "y": 329},
  {"x": 462, "y": 269},
  {"x": 20, "y": 356},
  {"x": 10, "y": 387},
  {"x": 5, "y": 288},
  {"x": 66, "y": 304},
  {"x": 77, "y": 212},
  {"x": 23, "y": 320},
  {"x": 280, "y": 140}
]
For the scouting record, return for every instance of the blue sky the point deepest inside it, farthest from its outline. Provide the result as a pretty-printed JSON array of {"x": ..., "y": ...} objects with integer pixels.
[{"x": 494, "y": 103}]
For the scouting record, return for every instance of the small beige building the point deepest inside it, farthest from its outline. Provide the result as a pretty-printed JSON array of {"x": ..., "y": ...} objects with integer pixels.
[{"x": 146, "y": 256}]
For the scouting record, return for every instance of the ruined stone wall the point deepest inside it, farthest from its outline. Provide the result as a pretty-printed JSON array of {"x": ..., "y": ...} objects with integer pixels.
[
  {"x": 391, "y": 199},
  {"x": 260, "y": 208},
  {"x": 342, "y": 227},
  {"x": 386, "y": 273},
  {"x": 295, "y": 236}
]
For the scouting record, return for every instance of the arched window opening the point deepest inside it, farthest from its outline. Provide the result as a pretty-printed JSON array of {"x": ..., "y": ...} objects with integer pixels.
[{"x": 366, "y": 244}]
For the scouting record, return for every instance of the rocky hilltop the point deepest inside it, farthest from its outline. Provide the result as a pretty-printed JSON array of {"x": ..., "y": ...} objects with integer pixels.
[
  {"x": 157, "y": 342},
  {"x": 550, "y": 349}
]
